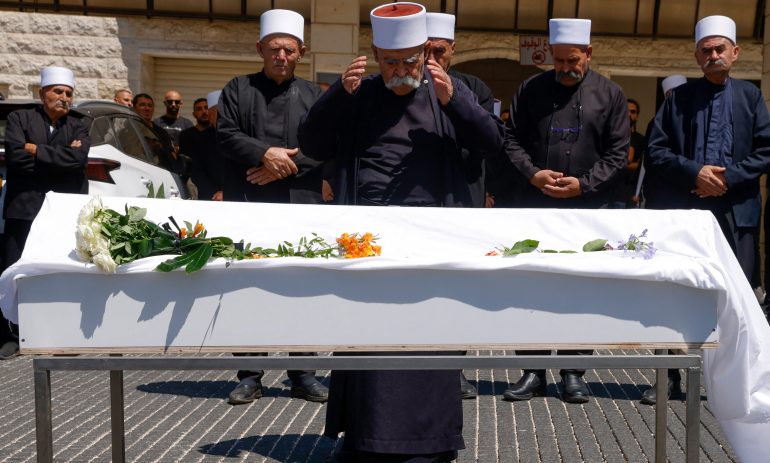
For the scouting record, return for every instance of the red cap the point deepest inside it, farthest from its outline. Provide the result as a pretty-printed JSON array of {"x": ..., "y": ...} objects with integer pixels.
[{"x": 396, "y": 10}]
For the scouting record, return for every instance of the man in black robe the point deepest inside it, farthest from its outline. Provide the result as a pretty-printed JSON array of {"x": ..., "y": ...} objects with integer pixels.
[
  {"x": 398, "y": 138},
  {"x": 46, "y": 149},
  {"x": 257, "y": 133},
  {"x": 441, "y": 33},
  {"x": 709, "y": 144},
  {"x": 568, "y": 136},
  {"x": 199, "y": 143}
]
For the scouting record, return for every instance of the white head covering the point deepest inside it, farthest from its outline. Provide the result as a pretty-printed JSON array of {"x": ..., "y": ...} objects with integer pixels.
[
  {"x": 569, "y": 31},
  {"x": 212, "y": 99},
  {"x": 282, "y": 22},
  {"x": 441, "y": 26},
  {"x": 55, "y": 75},
  {"x": 715, "y": 25},
  {"x": 672, "y": 82},
  {"x": 397, "y": 26}
]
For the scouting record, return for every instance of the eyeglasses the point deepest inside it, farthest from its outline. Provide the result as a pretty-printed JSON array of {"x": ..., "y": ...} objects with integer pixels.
[
  {"x": 176, "y": 102},
  {"x": 410, "y": 61}
]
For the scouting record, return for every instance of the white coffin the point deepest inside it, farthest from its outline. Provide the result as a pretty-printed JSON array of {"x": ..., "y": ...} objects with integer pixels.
[{"x": 264, "y": 309}]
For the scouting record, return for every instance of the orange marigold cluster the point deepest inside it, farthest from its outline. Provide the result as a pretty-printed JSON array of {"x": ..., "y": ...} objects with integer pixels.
[{"x": 355, "y": 245}]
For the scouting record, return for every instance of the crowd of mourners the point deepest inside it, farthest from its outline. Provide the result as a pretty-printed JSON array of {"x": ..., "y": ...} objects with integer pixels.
[{"x": 419, "y": 133}]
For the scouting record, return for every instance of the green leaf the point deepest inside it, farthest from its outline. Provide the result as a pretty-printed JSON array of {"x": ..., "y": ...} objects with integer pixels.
[
  {"x": 201, "y": 256},
  {"x": 161, "y": 192},
  {"x": 178, "y": 261},
  {"x": 521, "y": 247},
  {"x": 145, "y": 247},
  {"x": 135, "y": 214},
  {"x": 150, "y": 190},
  {"x": 549, "y": 251},
  {"x": 568, "y": 251},
  {"x": 594, "y": 245}
]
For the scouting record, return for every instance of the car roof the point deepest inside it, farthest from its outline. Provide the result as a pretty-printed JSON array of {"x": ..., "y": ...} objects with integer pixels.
[{"x": 98, "y": 108}]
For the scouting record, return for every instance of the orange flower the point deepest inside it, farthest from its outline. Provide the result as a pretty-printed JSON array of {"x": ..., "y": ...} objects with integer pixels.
[
  {"x": 198, "y": 228},
  {"x": 183, "y": 233},
  {"x": 355, "y": 246}
]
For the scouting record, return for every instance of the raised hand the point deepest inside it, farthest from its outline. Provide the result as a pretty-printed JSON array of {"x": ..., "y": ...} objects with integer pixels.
[
  {"x": 351, "y": 78},
  {"x": 442, "y": 83}
]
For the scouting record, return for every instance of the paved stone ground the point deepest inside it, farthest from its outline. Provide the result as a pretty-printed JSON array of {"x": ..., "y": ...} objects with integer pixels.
[{"x": 183, "y": 417}]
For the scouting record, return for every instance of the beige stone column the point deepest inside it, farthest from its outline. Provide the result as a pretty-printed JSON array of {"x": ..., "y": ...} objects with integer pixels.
[{"x": 333, "y": 35}]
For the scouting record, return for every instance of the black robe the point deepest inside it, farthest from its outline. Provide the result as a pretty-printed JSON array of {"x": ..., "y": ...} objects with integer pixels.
[
  {"x": 397, "y": 412},
  {"x": 581, "y": 131},
  {"x": 474, "y": 161},
  {"x": 208, "y": 169},
  {"x": 241, "y": 130},
  {"x": 56, "y": 167}
]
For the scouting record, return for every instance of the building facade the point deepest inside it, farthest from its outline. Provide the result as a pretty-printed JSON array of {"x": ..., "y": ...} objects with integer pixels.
[{"x": 196, "y": 47}]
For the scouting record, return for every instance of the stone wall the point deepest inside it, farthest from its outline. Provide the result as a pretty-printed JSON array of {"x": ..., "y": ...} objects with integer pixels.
[{"x": 107, "y": 53}]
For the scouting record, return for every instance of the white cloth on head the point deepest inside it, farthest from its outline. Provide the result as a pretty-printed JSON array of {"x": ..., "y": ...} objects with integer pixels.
[
  {"x": 715, "y": 26},
  {"x": 212, "y": 99},
  {"x": 672, "y": 82},
  {"x": 55, "y": 75},
  {"x": 569, "y": 31},
  {"x": 282, "y": 22},
  {"x": 397, "y": 26},
  {"x": 441, "y": 26}
]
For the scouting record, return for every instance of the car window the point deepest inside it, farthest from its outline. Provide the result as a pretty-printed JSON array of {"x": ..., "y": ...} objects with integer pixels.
[
  {"x": 158, "y": 151},
  {"x": 103, "y": 132}
]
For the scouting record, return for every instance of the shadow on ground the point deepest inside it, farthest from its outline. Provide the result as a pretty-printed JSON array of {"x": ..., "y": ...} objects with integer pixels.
[
  {"x": 201, "y": 389},
  {"x": 283, "y": 448}
]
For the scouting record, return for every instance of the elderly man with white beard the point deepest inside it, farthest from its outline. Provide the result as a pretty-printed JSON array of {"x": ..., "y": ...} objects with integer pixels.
[{"x": 397, "y": 139}]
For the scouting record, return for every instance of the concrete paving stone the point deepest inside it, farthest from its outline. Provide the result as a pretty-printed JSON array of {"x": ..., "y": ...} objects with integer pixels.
[{"x": 182, "y": 416}]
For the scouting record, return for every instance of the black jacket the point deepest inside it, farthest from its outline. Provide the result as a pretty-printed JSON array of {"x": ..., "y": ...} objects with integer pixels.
[
  {"x": 56, "y": 166},
  {"x": 336, "y": 120},
  {"x": 241, "y": 129},
  {"x": 670, "y": 166},
  {"x": 597, "y": 156}
]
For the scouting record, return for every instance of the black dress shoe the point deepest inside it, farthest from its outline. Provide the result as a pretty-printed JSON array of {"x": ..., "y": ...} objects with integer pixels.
[
  {"x": 530, "y": 385},
  {"x": 9, "y": 350},
  {"x": 575, "y": 389},
  {"x": 247, "y": 391},
  {"x": 650, "y": 396},
  {"x": 467, "y": 391},
  {"x": 310, "y": 389}
]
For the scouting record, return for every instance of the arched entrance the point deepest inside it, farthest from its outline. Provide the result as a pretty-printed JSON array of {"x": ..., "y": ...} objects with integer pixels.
[{"x": 502, "y": 75}]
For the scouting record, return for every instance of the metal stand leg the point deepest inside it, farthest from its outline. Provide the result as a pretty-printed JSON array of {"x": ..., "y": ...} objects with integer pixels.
[
  {"x": 43, "y": 416},
  {"x": 693, "y": 415},
  {"x": 116, "y": 416},
  {"x": 661, "y": 410}
]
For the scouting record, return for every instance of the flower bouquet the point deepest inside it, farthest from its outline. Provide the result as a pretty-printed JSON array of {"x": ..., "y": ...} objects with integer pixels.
[{"x": 108, "y": 239}]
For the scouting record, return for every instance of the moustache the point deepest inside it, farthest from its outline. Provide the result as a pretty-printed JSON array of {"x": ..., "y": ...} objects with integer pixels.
[
  {"x": 62, "y": 104},
  {"x": 571, "y": 74},
  {"x": 399, "y": 81},
  {"x": 716, "y": 62}
]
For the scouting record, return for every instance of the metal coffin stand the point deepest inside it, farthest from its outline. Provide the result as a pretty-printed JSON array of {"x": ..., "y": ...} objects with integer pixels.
[{"x": 42, "y": 368}]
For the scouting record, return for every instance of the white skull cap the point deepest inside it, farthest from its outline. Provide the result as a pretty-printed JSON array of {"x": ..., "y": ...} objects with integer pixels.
[
  {"x": 569, "y": 31},
  {"x": 398, "y": 26},
  {"x": 282, "y": 22},
  {"x": 55, "y": 75}
]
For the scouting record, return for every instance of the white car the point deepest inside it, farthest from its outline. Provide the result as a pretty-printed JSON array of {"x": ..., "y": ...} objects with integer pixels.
[{"x": 125, "y": 158}]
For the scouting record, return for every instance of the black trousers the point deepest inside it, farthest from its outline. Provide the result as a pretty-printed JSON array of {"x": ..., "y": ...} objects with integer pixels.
[
  {"x": 294, "y": 375},
  {"x": 14, "y": 239}
]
